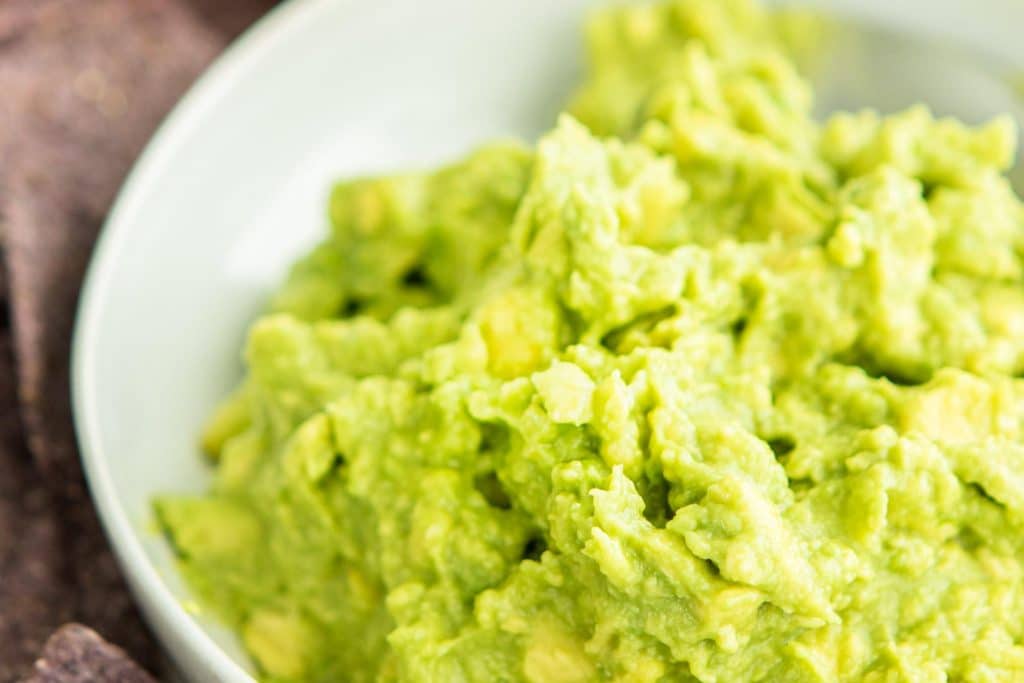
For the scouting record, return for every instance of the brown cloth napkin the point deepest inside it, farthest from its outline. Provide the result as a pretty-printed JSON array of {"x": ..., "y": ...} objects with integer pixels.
[{"x": 83, "y": 83}]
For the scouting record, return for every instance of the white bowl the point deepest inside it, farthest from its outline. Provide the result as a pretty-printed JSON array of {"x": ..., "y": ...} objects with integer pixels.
[{"x": 232, "y": 188}]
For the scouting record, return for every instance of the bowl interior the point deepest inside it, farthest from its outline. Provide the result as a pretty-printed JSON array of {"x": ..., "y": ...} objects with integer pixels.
[{"x": 233, "y": 187}]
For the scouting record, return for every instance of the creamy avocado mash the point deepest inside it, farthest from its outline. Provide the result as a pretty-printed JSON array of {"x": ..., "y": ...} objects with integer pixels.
[{"x": 698, "y": 389}]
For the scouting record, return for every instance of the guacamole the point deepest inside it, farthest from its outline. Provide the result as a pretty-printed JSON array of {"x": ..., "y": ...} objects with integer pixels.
[{"x": 696, "y": 389}]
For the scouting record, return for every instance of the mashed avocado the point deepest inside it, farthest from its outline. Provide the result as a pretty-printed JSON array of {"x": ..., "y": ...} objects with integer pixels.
[{"x": 697, "y": 389}]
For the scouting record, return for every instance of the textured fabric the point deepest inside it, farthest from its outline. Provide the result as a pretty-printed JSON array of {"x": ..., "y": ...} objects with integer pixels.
[{"x": 83, "y": 83}]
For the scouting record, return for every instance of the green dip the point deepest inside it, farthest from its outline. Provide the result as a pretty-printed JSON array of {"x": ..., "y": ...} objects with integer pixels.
[{"x": 697, "y": 389}]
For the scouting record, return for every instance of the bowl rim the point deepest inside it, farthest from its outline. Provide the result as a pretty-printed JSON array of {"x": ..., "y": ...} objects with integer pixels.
[{"x": 159, "y": 604}]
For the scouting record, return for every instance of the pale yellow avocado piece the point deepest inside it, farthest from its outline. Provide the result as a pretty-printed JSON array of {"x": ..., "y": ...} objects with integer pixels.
[
  {"x": 567, "y": 393},
  {"x": 279, "y": 643},
  {"x": 554, "y": 656},
  {"x": 520, "y": 328},
  {"x": 210, "y": 528},
  {"x": 956, "y": 408}
]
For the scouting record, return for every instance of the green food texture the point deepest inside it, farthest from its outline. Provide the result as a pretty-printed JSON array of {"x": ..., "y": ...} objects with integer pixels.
[{"x": 698, "y": 388}]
